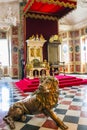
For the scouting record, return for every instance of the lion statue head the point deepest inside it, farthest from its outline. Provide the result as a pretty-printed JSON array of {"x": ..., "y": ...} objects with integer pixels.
[{"x": 48, "y": 92}]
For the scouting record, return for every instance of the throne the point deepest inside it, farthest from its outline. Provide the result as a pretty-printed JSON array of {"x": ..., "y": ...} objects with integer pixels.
[{"x": 35, "y": 66}]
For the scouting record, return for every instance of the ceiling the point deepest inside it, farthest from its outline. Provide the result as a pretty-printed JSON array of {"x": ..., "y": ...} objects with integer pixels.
[
  {"x": 76, "y": 18},
  {"x": 72, "y": 19}
]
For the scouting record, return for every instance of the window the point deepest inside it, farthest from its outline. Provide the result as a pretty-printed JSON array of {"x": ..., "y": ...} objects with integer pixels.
[
  {"x": 84, "y": 50},
  {"x": 64, "y": 53},
  {"x": 4, "y": 55}
]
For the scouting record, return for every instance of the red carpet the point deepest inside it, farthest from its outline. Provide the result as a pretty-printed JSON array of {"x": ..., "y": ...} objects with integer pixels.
[{"x": 30, "y": 85}]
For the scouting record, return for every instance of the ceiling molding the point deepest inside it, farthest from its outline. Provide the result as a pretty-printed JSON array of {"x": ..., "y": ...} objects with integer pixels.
[
  {"x": 64, "y": 28},
  {"x": 79, "y": 25},
  {"x": 7, "y": 1}
]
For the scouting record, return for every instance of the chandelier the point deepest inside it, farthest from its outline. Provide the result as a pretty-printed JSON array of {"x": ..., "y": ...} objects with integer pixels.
[
  {"x": 82, "y": 3},
  {"x": 10, "y": 18}
]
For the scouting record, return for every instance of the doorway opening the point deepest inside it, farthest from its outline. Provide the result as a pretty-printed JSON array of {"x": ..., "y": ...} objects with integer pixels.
[{"x": 4, "y": 56}]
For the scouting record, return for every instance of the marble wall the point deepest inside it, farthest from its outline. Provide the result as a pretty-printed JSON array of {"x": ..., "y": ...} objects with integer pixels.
[{"x": 76, "y": 42}]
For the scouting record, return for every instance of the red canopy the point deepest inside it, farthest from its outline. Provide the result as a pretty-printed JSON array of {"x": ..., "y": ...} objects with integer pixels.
[{"x": 50, "y": 7}]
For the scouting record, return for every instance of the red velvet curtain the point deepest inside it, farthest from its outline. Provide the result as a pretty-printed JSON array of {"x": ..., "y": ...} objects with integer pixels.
[{"x": 40, "y": 26}]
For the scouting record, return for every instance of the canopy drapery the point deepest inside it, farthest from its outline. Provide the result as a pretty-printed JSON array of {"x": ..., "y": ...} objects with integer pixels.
[{"x": 56, "y": 8}]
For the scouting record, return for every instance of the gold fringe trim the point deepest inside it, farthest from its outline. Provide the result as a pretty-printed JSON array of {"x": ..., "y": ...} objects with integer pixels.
[
  {"x": 57, "y": 2},
  {"x": 38, "y": 16}
]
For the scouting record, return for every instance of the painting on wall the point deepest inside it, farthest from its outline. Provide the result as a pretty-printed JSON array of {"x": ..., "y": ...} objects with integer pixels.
[
  {"x": 71, "y": 57},
  {"x": 15, "y": 41},
  {"x": 77, "y": 57},
  {"x": 15, "y": 71},
  {"x": 82, "y": 31},
  {"x": 70, "y": 42},
  {"x": 71, "y": 34},
  {"x": 5, "y": 71},
  {"x": 15, "y": 58},
  {"x": 83, "y": 68},
  {"x": 76, "y": 42},
  {"x": 66, "y": 68},
  {"x": 76, "y": 33},
  {"x": 15, "y": 30},
  {"x": 71, "y": 68},
  {"x": 64, "y": 35},
  {"x": 78, "y": 68}
]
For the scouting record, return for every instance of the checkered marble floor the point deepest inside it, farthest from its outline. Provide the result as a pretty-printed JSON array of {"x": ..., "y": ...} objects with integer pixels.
[{"x": 71, "y": 108}]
